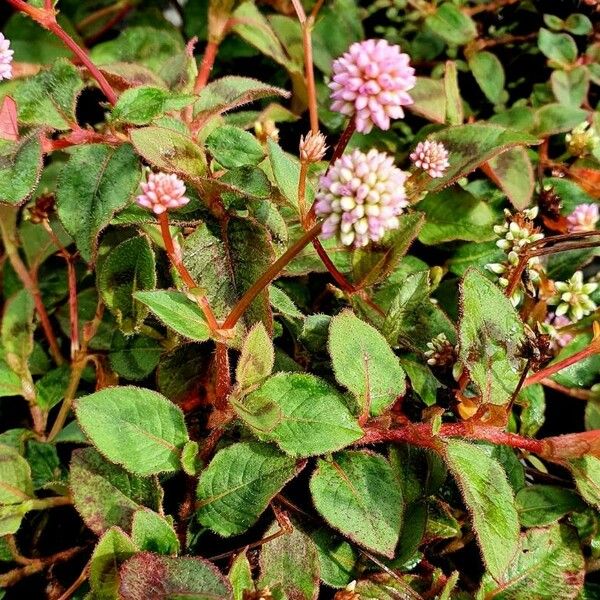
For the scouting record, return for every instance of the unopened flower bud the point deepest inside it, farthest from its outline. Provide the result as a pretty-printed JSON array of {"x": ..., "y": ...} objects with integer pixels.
[{"x": 312, "y": 147}]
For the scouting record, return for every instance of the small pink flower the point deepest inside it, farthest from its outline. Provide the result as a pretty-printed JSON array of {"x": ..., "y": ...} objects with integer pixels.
[
  {"x": 555, "y": 323},
  {"x": 161, "y": 192},
  {"x": 361, "y": 196},
  {"x": 371, "y": 81},
  {"x": 583, "y": 218},
  {"x": 6, "y": 56},
  {"x": 431, "y": 157}
]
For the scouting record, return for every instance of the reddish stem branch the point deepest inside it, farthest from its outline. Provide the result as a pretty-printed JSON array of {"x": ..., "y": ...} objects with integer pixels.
[
  {"x": 593, "y": 348},
  {"x": 176, "y": 261},
  {"x": 344, "y": 284},
  {"x": 47, "y": 18},
  {"x": 73, "y": 308},
  {"x": 246, "y": 300},
  {"x": 344, "y": 139},
  {"x": 223, "y": 376},
  {"x": 422, "y": 434},
  {"x": 206, "y": 66}
]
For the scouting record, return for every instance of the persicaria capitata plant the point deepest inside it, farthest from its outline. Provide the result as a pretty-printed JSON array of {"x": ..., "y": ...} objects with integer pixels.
[{"x": 299, "y": 300}]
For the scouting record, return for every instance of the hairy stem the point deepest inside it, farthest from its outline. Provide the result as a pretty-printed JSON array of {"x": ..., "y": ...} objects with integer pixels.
[
  {"x": 206, "y": 66},
  {"x": 593, "y": 348},
  {"x": 47, "y": 18},
  {"x": 246, "y": 300},
  {"x": 423, "y": 435}
]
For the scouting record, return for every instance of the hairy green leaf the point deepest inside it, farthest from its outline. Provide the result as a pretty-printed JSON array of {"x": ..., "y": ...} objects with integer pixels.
[
  {"x": 134, "y": 427},
  {"x": 303, "y": 414},
  {"x": 238, "y": 485}
]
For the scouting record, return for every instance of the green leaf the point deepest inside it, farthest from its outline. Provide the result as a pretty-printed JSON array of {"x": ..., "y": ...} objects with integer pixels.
[
  {"x": 10, "y": 382},
  {"x": 153, "y": 533},
  {"x": 549, "y": 565},
  {"x": 134, "y": 427},
  {"x": 429, "y": 99},
  {"x": 231, "y": 92},
  {"x": 140, "y": 105},
  {"x": 16, "y": 485},
  {"x": 49, "y": 98},
  {"x": 489, "y": 333},
  {"x": 96, "y": 182},
  {"x": 512, "y": 172},
  {"x": 358, "y": 494},
  {"x": 558, "y": 47},
  {"x": 373, "y": 265},
  {"x": 113, "y": 549},
  {"x": 286, "y": 171},
  {"x": 142, "y": 45},
  {"x": 344, "y": 17},
  {"x": 451, "y": 24},
  {"x": 185, "y": 577},
  {"x": 571, "y": 87},
  {"x": 364, "y": 363},
  {"x": 454, "y": 107},
  {"x": 289, "y": 563},
  {"x": 412, "y": 320},
  {"x": 337, "y": 558},
  {"x": 422, "y": 380},
  {"x": 490, "y": 500},
  {"x": 544, "y": 504},
  {"x": 105, "y": 494},
  {"x": 174, "y": 309},
  {"x": 127, "y": 268},
  {"x": 303, "y": 414},
  {"x": 50, "y": 388},
  {"x": 44, "y": 463},
  {"x": 240, "y": 577},
  {"x": 169, "y": 150},
  {"x": 233, "y": 147},
  {"x": 471, "y": 145},
  {"x": 578, "y": 24},
  {"x": 455, "y": 214},
  {"x": 252, "y": 26},
  {"x": 20, "y": 169},
  {"x": 257, "y": 358},
  {"x": 586, "y": 473},
  {"x": 238, "y": 484},
  {"x": 489, "y": 74},
  {"x": 134, "y": 357},
  {"x": 16, "y": 332},
  {"x": 557, "y": 118}
]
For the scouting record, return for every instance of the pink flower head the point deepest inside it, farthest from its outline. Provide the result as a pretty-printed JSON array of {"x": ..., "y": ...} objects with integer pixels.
[
  {"x": 583, "y": 218},
  {"x": 371, "y": 81},
  {"x": 6, "y": 56},
  {"x": 431, "y": 157},
  {"x": 361, "y": 196},
  {"x": 161, "y": 192},
  {"x": 553, "y": 325}
]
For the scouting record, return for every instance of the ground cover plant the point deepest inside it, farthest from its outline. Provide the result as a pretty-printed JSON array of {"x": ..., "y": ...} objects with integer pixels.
[{"x": 299, "y": 299}]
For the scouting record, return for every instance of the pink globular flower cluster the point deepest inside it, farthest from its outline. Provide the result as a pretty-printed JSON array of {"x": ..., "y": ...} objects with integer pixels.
[
  {"x": 583, "y": 218},
  {"x": 161, "y": 192},
  {"x": 360, "y": 198},
  {"x": 432, "y": 157},
  {"x": 371, "y": 82},
  {"x": 6, "y": 56}
]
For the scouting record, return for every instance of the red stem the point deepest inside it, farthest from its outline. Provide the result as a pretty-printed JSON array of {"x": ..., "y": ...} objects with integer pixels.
[
  {"x": 593, "y": 348},
  {"x": 208, "y": 62},
  {"x": 422, "y": 435},
  {"x": 47, "y": 19},
  {"x": 73, "y": 310},
  {"x": 223, "y": 374},
  {"x": 246, "y": 300},
  {"x": 344, "y": 284}
]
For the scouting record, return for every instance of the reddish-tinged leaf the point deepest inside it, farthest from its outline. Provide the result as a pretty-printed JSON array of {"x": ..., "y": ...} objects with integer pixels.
[
  {"x": 148, "y": 576},
  {"x": 9, "y": 129}
]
